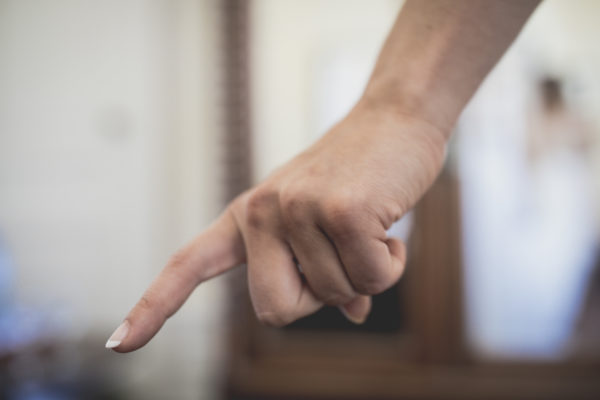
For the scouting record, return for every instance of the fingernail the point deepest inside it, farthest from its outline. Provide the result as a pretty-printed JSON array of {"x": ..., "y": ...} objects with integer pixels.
[
  {"x": 354, "y": 319},
  {"x": 118, "y": 335}
]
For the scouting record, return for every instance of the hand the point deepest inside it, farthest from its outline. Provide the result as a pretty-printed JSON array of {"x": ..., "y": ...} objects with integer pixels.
[{"x": 328, "y": 209}]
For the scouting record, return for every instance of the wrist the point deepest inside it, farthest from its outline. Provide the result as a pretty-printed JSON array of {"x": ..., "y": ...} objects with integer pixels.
[
  {"x": 403, "y": 122},
  {"x": 413, "y": 98}
]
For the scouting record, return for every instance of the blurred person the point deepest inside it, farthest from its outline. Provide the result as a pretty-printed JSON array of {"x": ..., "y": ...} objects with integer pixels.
[
  {"x": 528, "y": 226},
  {"x": 560, "y": 232},
  {"x": 559, "y": 149},
  {"x": 556, "y": 127},
  {"x": 314, "y": 232}
]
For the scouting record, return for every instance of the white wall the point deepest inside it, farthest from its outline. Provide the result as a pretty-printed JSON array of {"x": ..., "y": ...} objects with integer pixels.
[{"x": 108, "y": 128}]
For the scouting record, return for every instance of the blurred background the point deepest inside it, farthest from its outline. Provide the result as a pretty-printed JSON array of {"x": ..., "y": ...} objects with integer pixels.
[{"x": 125, "y": 126}]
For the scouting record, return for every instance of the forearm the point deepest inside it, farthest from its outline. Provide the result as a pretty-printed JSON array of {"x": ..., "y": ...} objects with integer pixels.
[{"x": 439, "y": 51}]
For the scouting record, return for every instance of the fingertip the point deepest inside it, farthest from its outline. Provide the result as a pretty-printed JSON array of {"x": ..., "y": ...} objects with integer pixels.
[
  {"x": 139, "y": 327},
  {"x": 118, "y": 336},
  {"x": 397, "y": 250},
  {"x": 357, "y": 310}
]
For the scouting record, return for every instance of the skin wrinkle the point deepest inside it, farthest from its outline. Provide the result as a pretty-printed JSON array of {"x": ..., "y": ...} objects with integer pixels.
[
  {"x": 337, "y": 252},
  {"x": 310, "y": 236}
]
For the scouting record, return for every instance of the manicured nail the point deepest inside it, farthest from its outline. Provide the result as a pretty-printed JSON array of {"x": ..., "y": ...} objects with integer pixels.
[
  {"x": 118, "y": 335},
  {"x": 354, "y": 319}
]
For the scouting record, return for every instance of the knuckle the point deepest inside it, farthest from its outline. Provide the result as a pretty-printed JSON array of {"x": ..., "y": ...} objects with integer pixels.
[
  {"x": 372, "y": 284},
  {"x": 275, "y": 316},
  {"x": 332, "y": 291},
  {"x": 294, "y": 205},
  {"x": 272, "y": 318},
  {"x": 258, "y": 205},
  {"x": 178, "y": 260},
  {"x": 338, "y": 298},
  {"x": 145, "y": 302},
  {"x": 148, "y": 304},
  {"x": 342, "y": 212},
  {"x": 182, "y": 264}
]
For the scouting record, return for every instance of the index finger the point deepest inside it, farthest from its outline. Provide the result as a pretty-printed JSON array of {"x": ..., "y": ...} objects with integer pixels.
[{"x": 216, "y": 250}]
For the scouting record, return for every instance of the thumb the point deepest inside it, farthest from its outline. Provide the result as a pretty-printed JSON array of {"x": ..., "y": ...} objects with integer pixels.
[
  {"x": 397, "y": 250},
  {"x": 216, "y": 250},
  {"x": 359, "y": 308}
]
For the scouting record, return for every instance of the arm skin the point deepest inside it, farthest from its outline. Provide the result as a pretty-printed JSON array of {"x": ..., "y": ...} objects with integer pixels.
[
  {"x": 439, "y": 51},
  {"x": 330, "y": 206}
]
